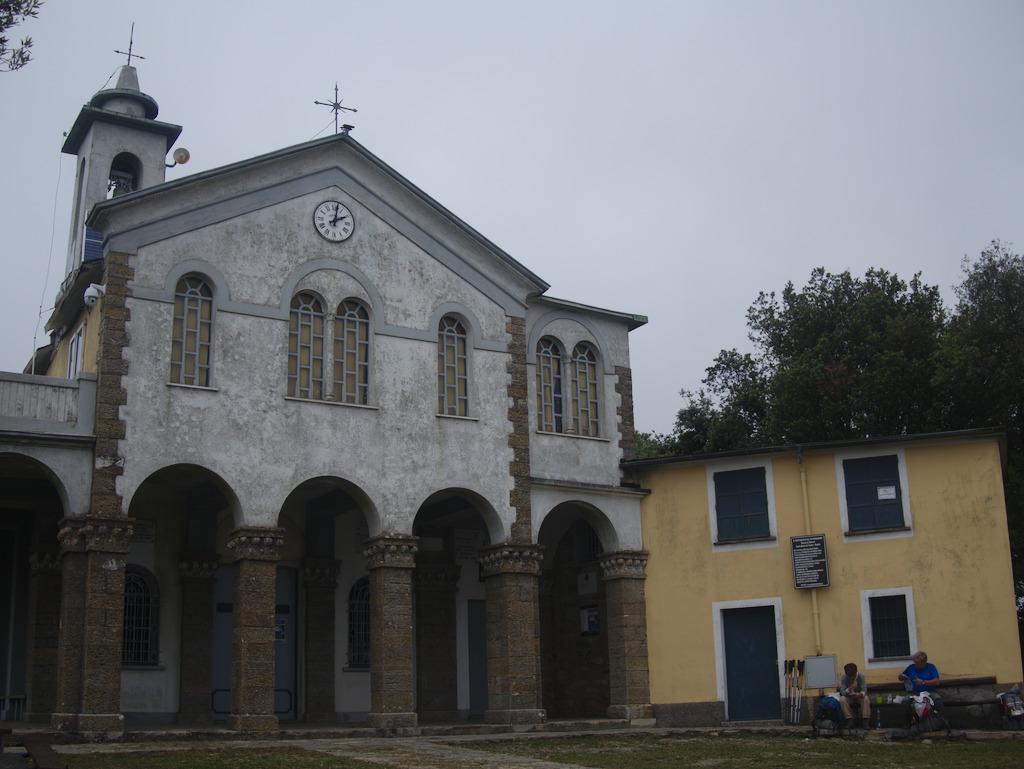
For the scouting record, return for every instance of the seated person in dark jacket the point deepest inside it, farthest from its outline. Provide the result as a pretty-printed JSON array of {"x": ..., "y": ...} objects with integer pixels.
[{"x": 853, "y": 698}]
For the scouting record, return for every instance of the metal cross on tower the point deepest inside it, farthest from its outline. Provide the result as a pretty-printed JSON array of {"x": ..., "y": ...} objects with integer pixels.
[
  {"x": 336, "y": 108},
  {"x": 131, "y": 42}
]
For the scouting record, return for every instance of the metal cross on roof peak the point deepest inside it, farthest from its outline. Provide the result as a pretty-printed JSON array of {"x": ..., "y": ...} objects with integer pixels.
[
  {"x": 128, "y": 53},
  {"x": 336, "y": 108}
]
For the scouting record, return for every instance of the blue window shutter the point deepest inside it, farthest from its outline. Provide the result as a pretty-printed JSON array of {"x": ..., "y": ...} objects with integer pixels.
[
  {"x": 874, "y": 498},
  {"x": 741, "y": 504}
]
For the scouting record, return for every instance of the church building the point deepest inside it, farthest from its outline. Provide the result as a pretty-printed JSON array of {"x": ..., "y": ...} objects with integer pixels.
[{"x": 306, "y": 447}]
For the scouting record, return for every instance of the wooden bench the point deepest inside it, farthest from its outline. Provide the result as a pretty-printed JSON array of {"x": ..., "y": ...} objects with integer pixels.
[{"x": 40, "y": 752}]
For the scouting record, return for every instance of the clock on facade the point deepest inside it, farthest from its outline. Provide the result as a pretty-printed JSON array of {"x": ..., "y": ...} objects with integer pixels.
[{"x": 333, "y": 220}]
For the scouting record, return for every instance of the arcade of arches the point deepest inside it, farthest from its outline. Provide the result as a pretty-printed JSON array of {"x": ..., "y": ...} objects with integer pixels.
[{"x": 178, "y": 614}]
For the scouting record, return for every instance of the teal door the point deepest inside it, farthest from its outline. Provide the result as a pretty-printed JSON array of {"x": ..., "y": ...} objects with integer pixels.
[
  {"x": 751, "y": 664},
  {"x": 477, "y": 627}
]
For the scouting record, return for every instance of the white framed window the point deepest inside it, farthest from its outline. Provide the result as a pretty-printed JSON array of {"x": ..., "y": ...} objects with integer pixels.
[
  {"x": 306, "y": 347},
  {"x": 741, "y": 504},
  {"x": 889, "y": 625},
  {"x": 192, "y": 332},
  {"x": 76, "y": 350},
  {"x": 452, "y": 368},
  {"x": 874, "y": 495}
]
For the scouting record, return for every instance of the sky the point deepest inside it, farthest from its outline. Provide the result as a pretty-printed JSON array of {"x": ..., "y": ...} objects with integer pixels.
[{"x": 667, "y": 159}]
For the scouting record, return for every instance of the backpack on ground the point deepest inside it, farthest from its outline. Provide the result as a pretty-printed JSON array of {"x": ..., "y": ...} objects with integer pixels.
[
  {"x": 1013, "y": 709},
  {"x": 828, "y": 718},
  {"x": 927, "y": 717}
]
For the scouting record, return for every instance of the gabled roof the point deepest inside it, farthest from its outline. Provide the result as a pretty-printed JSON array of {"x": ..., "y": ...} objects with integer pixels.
[{"x": 102, "y": 211}]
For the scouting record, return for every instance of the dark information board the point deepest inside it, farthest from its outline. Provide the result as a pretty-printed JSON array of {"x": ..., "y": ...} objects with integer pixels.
[{"x": 810, "y": 562}]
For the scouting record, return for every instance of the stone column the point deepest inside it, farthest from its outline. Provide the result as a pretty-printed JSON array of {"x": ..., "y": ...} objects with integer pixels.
[
  {"x": 629, "y": 681},
  {"x": 512, "y": 573},
  {"x": 391, "y": 560},
  {"x": 256, "y": 552},
  {"x": 44, "y": 607},
  {"x": 436, "y": 657},
  {"x": 320, "y": 577},
  {"x": 198, "y": 574},
  {"x": 92, "y": 625}
]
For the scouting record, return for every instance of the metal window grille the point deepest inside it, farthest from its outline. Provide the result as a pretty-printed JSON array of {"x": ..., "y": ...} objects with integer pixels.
[
  {"x": 549, "y": 386},
  {"x": 141, "y": 616},
  {"x": 452, "y": 368},
  {"x": 352, "y": 353},
  {"x": 584, "y": 390},
  {"x": 359, "y": 624},
  {"x": 890, "y": 635},
  {"x": 306, "y": 348},
  {"x": 588, "y": 544},
  {"x": 192, "y": 335}
]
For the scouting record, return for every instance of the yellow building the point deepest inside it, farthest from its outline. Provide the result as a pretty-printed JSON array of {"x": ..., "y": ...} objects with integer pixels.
[{"x": 906, "y": 539}]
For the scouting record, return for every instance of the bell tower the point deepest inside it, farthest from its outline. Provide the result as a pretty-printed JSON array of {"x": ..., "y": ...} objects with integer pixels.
[{"x": 121, "y": 148}]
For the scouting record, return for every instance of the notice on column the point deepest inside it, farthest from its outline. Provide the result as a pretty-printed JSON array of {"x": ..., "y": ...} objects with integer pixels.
[{"x": 810, "y": 563}]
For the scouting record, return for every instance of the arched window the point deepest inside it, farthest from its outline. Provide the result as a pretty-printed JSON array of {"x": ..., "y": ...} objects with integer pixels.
[
  {"x": 583, "y": 367},
  {"x": 141, "y": 644},
  {"x": 352, "y": 353},
  {"x": 550, "y": 416},
  {"x": 359, "y": 625},
  {"x": 192, "y": 334},
  {"x": 452, "y": 368},
  {"x": 124, "y": 175},
  {"x": 306, "y": 347}
]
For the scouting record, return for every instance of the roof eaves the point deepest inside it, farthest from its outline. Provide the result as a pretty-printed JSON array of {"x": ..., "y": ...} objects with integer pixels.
[
  {"x": 681, "y": 459},
  {"x": 633, "y": 320}
]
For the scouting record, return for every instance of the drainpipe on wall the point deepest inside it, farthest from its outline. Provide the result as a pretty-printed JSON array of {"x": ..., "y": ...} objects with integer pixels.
[{"x": 815, "y": 614}]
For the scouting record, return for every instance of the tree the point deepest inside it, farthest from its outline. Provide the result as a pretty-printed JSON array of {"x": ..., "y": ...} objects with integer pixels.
[
  {"x": 842, "y": 358},
  {"x": 849, "y": 357},
  {"x": 14, "y": 12},
  {"x": 980, "y": 378}
]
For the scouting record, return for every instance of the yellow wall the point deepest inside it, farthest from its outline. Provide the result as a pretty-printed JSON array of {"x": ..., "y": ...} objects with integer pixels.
[
  {"x": 957, "y": 561},
  {"x": 59, "y": 361}
]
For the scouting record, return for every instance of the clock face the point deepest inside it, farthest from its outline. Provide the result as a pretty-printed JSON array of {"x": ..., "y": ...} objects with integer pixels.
[{"x": 333, "y": 220}]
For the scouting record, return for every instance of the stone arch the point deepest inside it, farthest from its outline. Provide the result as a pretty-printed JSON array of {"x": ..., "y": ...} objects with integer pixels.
[
  {"x": 556, "y": 522},
  {"x": 183, "y": 514},
  {"x": 569, "y": 329},
  {"x": 21, "y": 469},
  {"x": 33, "y": 500},
  {"x": 575, "y": 660},
  {"x": 325, "y": 521},
  {"x": 452, "y": 525}
]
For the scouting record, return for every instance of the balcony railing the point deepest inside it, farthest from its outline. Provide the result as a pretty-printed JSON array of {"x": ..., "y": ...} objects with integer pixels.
[{"x": 48, "y": 406}]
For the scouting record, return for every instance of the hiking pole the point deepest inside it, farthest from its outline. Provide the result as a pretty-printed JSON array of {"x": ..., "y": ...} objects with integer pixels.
[
  {"x": 792, "y": 691},
  {"x": 799, "y": 688},
  {"x": 786, "y": 671}
]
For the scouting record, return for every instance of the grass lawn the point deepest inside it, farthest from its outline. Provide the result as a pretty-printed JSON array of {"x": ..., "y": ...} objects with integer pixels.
[
  {"x": 606, "y": 752},
  {"x": 216, "y": 758},
  {"x": 763, "y": 752}
]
